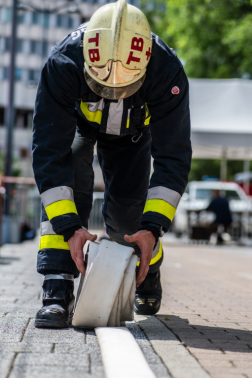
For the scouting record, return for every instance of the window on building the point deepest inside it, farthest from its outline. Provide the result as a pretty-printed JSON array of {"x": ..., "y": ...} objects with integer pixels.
[
  {"x": 18, "y": 74},
  {"x": 34, "y": 75},
  {"x": 36, "y": 47},
  {"x": 4, "y": 44},
  {"x": 5, "y": 15},
  {"x": 36, "y": 18},
  {"x": 23, "y": 118},
  {"x": 5, "y": 73},
  {"x": 83, "y": 20},
  {"x": 70, "y": 22},
  {"x": 59, "y": 21},
  {"x": 21, "y": 18},
  {"x": 45, "y": 48},
  {"x": 45, "y": 20},
  {"x": 1, "y": 116},
  {"x": 20, "y": 45}
]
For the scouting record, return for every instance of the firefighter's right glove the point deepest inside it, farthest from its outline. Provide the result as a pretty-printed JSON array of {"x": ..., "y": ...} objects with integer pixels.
[
  {"x": 76, "y": 244},
  {"x": 145, "y": 241}
]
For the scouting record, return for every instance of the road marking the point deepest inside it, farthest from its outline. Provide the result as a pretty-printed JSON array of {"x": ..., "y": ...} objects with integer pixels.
[
  {"x": 245, "y": 275},
  {"x": 121, "y": 354}
]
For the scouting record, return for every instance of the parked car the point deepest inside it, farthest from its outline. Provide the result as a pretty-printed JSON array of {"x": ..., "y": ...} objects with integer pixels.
[{"x": 195, "y": 200}]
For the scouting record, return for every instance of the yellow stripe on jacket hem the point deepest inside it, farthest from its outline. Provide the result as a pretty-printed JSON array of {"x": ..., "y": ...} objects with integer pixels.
[
  {"x": 60, "y": 208},
  {"x": 161, "y": 207},
  {"x": 53, "y": 241},
  {"x": 91, "y": 116},
  {"x": 157, "y": 257}
]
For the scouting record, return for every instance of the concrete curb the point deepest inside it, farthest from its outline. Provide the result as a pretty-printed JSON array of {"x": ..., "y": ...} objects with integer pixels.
[{"x": 121, "y": 355}]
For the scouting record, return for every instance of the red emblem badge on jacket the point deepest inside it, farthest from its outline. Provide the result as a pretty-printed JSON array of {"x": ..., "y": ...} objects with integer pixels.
[{"x": 175, "y": 90}]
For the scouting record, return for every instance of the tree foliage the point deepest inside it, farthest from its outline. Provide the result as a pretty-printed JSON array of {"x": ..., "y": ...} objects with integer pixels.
[
  {"x": 207, "y": 167},
  {"x": 213, "y": 38}
]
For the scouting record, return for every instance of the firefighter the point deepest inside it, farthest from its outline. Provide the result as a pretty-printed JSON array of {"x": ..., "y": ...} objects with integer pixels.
[{"x": 114, "y": 83}]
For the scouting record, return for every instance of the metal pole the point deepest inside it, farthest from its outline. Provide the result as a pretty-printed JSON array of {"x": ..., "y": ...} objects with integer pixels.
[
  {"x": 9, "y": 115},
  {"x": 246, "y": 171},
  {"x": 223, "y": 170}
]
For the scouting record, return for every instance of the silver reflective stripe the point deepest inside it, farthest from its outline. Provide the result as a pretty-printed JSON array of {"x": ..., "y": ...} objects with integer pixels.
[
  {"x": 46, "y": 228},
  {"x": 129, "y": 111},
  {"x": 156, "y": 249},
  {"x": 57, "y": 194},
  {"x": 61, "y": 276},
  {"x": 165, "y": 194},
  {"x": 115, "y": 117},
  {"x": 94, "y": 106}
]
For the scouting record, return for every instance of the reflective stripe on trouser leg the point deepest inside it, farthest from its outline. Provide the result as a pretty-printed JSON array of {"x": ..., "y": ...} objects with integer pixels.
[
  {"x": 156, "y": 259},
  {"x": 54, "y": 253}
]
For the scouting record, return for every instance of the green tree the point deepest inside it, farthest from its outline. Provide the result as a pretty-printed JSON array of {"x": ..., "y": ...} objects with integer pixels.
[
  {"x": 212, "y": 37},
  {"x": 207, "y": 167}
]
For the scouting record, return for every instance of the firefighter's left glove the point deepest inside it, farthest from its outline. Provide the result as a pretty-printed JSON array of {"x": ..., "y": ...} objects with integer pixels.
[
  {"x": 145, "y": 241},
  {"x": 76, "y": 244}
]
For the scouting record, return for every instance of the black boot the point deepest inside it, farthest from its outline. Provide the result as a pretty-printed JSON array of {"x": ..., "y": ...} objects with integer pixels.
[
  {"x": 148, "y": 295},
  {"x": 58, "y": 302}
]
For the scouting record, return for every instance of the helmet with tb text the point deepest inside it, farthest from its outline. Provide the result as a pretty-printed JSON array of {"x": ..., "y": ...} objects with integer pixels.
[{"x": 117, "y": 48}]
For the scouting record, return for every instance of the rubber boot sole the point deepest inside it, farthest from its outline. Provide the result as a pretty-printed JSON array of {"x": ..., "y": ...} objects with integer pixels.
[
  {"x": 146, "y": 311},
  {"x": 46, "y": 323},
  {"x": 146, "y": 308}
]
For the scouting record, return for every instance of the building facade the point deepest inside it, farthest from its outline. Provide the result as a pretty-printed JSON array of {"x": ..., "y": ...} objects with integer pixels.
[{"x": 39, "y": 27}]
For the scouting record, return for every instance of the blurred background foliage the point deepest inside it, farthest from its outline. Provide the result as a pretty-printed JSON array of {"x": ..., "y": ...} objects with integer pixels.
[
  {"x": 16, "y": 171},
  {"x": 207, "y": 167},
  {"x": 213, "y": 39}
]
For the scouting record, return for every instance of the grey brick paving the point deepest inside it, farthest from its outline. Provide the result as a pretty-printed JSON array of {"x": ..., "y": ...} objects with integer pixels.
[
  {"x": 151, "y": 356},
  {"x": 28, "y": 352},
  {"x": 209, "y": 306},
  {"x": 174, "y": 355}
]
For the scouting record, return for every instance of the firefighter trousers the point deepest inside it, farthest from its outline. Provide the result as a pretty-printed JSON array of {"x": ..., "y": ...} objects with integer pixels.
[{"x": 125, "y": 167}]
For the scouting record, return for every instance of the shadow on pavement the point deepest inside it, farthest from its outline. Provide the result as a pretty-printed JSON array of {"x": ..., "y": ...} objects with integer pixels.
[
  {"x": 7, "y": 260},
  {"x": 195, "y": 335}
]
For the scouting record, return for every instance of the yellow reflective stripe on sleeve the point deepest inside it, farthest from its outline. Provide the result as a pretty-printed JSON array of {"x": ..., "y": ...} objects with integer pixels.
[
  {"x": 147, "y": 121},
  {"x": 157, "y": 257},
  {"x": 60, "y": 208},
  {"x": 128, "y": 122},
  {"x": 53, "y": 241},
  {"x": 161, "y": 207},
  {"x": 91, "y": 116}
]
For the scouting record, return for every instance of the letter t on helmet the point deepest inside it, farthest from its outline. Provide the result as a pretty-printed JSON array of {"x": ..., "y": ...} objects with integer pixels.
[{"x": 116, "y": 44}]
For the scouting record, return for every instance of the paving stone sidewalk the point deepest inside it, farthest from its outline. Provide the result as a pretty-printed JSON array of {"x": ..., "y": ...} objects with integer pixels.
[
  {"x": 27, "y": 352},
  {"x": 207, "y": 304},
  {"x": 203, "y": 329}
]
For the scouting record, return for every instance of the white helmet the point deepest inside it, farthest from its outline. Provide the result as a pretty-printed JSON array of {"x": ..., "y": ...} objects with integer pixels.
[{"x": 117, "y": 48}]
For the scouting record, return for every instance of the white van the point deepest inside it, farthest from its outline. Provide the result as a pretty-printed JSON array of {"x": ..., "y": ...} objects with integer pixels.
[{"x": 197, "y": 197}]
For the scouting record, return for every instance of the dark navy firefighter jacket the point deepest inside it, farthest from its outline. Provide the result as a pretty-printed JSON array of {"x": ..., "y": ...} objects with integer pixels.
[{"x": 161, "y": 104}]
